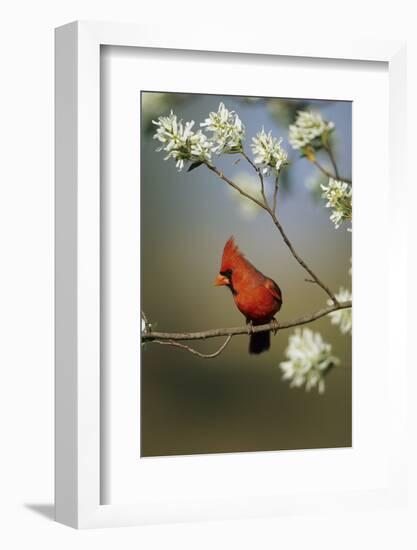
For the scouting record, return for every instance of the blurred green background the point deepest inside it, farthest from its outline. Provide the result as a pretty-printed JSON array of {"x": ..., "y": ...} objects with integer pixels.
[{"x": 237, "y": 402}]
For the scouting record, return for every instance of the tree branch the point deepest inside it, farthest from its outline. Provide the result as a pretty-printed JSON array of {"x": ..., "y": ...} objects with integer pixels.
[
  {"x": 300, "y": 260},
  {"x": 233, "y": 184},
  {"x": 329, "y": 174},
  {"x": 261, "y": 177},
  {"x": 216, "y": 332},
  {"x": 332, "y": 160},
  {"x": 192, "y": 350},
  {"x": 274, "y": 204},
  {"x": 322, "y": 169}
]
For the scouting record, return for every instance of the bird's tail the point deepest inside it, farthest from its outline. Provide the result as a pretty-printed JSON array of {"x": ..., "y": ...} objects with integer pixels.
[{"x": 259, "y": 342}]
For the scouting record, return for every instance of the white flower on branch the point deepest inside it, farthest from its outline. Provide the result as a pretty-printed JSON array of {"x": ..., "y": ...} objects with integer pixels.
[
  {"x": 201, "y": 147},
  {"x": 180, "y": 142},
  {"x": 309, "y": 358},
  {"x": 339, "y": 197},
  {"x": 342, "y": 317},
  {"x": 228, "y": 130},
  {"x": 268, "y": 153},
  {"x": 308, "y": 127}
]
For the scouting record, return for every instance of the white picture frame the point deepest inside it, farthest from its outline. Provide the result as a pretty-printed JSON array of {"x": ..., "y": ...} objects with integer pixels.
[{"x": 78, "y": 406}]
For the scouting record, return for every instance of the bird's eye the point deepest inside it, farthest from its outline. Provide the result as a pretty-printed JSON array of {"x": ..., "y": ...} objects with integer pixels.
[{"x": 227, "y": 274}]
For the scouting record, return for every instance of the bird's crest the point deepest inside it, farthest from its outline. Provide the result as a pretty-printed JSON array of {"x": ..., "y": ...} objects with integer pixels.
[{"x": 231, "y": 255}]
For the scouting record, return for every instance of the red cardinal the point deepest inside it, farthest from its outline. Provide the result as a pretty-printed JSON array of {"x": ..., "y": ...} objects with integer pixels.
[{"x": 255, "y": 295}]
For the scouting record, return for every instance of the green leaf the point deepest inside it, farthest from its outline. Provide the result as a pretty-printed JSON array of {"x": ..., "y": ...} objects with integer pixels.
[{"x": 195, "y": 165}]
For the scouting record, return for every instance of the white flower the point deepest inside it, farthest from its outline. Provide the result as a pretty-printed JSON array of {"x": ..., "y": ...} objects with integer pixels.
[
  {"x": 144, "y": 327},
  {"x": 180, "y": 142},
  {"x": 249, "y": 184},
  {"x": 228, "y": 130},
  {"x": 309, "y": 358},
  {"x": 342, "y": 317},
  {"x": 269, "y": 154},
  {"x": 307, "y": 127},
  {"x": 201, "y": 147},
  {"x": 339, "y": 197}
]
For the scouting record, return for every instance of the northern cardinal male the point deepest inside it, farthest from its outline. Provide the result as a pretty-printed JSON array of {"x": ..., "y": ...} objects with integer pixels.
[{"x": 256, "y": 296}]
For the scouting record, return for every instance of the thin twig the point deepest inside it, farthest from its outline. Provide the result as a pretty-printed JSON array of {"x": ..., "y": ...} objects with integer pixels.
[
  {"x": 192, "y": 350},
  {"x": 233, "y": 184},
  {"x": 274, "y": 204},
  {"x": 300, "y": 260},
  {"x": 216, "y": 332},
  {"x": 330, "y": 174},
  {"x": 332, "y": 160},
  {"x": 260, "y": 175},
  {"x": 322, "y": 169}
]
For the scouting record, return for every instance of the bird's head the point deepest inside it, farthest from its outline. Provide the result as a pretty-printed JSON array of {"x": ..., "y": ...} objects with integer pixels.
[
  {"x": 224, "y": 278},
  {"x": 230, "y": 261}
]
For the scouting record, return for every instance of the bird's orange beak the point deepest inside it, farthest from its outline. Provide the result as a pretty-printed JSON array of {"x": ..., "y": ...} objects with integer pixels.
[{"x": 221, "y": 280}]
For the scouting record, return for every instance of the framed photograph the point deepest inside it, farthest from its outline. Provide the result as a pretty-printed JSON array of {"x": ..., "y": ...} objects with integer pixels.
[{"x": 209, "y": 363}]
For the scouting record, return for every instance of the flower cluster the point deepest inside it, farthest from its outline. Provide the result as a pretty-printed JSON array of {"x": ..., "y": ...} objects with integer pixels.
[
  {"x": 227, "y": 136},
  {"x": 309, "y": 358},
  {"x": 180, "y": 142},
  {"x": 342, "y": 317},
  {"x": 339, "y": 197},
  {"x": 227, "y": 128},
  {"x": 269, "y": 154},
  {"x": 307, "y": 129}
]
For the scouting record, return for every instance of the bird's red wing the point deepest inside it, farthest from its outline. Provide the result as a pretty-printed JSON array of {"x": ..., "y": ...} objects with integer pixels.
[{"x": 274, "y": 289}]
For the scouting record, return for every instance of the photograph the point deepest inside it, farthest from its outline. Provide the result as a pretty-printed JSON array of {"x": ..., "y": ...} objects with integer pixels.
[
  {"x": 183, "y": 367},
  {"x": 246, "y": 273}
]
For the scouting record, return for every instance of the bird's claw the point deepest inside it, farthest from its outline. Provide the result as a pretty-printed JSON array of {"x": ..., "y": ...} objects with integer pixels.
[
  {"x": 275, "y": 326},
  {"x": 249, "y": 326}
]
